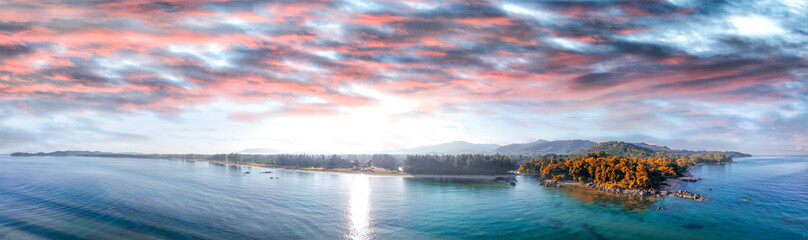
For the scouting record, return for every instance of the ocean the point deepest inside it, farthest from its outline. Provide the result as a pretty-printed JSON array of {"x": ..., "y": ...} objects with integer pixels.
[{"x": 121, "y": 198}]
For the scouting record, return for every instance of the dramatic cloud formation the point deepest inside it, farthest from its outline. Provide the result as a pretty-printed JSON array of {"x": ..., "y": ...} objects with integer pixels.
[{"x": 342, "y": 76}]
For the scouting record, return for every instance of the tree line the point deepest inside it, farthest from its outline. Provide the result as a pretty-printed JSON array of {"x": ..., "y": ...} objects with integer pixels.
[
  {"x": 682, "y": 158},
  {"x": 459, "y": 164}
]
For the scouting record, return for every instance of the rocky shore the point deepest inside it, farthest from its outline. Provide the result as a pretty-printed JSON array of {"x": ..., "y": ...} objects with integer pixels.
[
  {"x": 630, "y": 192},
  {"x": 689, "y": 195}
]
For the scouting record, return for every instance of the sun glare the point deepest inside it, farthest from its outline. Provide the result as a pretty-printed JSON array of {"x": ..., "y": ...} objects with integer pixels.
[{"x": 359, "y": 208}]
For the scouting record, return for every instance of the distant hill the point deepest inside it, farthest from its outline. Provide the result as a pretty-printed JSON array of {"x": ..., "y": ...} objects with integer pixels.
[
  {"x": 456, "y": 147},
  {"x": 619, "y": 148},
  {"x": 517, "y": 147},
  {"x": 58, "y": 153},
  {"x": 625, "y": 149},
  {"x": 656, "y": 148},
  {"x": 543, "y": 147}
]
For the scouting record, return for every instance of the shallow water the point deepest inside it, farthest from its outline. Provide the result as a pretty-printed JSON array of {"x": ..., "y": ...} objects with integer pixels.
[{"x": 106, "y": 198}]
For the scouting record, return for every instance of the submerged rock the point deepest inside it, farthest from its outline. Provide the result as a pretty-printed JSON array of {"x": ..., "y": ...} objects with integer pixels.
[
  {"x": 548, "y": 183},
  {"x": 692, "y": 226},
  {"x": 689, "y": 195},
  {"x": 689, "y": 179},
  {"x": 509, "y": 180}
]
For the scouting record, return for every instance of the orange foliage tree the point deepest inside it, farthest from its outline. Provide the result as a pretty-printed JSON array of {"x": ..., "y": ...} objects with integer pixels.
[{"x": 603, "y": 169}]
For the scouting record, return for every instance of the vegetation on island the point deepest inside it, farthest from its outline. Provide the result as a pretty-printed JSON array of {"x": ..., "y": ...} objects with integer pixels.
[
  {"x": 624, "y": 165},
  {"x": 682, "y": 158},
  {"x": 603, "y": 169},
  {"x": 459, "y": 164}
]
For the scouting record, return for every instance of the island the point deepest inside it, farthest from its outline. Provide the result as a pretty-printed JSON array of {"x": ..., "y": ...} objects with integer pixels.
[{"x": 625, "y": 168}]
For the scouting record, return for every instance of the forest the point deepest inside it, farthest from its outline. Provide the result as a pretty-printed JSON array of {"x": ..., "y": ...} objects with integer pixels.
[
  {"x": 633, "y": 172},
  {"x": 682, "y": 158},
  {"x": 459, "y": 164},
  {"x": 603, "y": 169},
  {"x": 386, "y": 161}
]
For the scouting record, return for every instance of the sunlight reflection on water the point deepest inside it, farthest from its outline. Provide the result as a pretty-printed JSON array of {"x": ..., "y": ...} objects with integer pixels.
[{"x": 359, "y": 208}]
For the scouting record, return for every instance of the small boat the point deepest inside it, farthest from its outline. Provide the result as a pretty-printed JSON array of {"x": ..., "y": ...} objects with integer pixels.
[
  {"x": 266, "y": 172},
  {"x": 748, "y": 199},
  {"x": 247, "y": 172}
]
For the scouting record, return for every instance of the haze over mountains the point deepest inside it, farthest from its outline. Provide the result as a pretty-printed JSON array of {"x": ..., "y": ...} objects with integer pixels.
[
  {"x": 541, "y": 147},
  {"x": 456, "y": 147},
  {"x": 538, "y": 147}
]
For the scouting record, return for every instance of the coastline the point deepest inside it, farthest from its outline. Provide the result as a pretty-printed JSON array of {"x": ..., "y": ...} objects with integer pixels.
[
  {"x": 374, "y": 173},
  {"x": 398, "y": 174},
  {"x": 667, "y": 188}
]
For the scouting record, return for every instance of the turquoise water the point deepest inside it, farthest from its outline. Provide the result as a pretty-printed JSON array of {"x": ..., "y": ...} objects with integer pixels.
[{"x": 104, "y": 198}]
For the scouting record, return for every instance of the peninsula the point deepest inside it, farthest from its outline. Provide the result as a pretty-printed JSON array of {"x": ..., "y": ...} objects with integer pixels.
[
  {"x": 614, "y": 166},
  {"x": 625, "y": 168}
]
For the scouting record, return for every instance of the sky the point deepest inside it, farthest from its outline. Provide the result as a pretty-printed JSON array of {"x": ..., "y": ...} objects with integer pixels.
[{"x": 366, "y": 76}]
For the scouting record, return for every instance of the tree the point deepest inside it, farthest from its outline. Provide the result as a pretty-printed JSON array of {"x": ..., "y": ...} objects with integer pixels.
[
  {"x": 386, "y": 161},
  {"x": 459, "y": 164},
  {"x": 603, "y": 169}
]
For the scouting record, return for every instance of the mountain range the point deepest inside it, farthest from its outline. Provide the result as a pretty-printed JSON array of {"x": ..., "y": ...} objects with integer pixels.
[
  {"x": 542, "y": 147},
  {"x": 539, "y": 147},
  {"x": 561, "y": 147}
]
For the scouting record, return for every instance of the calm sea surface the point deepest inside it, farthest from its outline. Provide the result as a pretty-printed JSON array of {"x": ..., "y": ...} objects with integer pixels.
[{"x": 115, "y": 198}]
